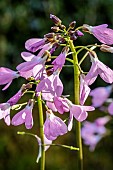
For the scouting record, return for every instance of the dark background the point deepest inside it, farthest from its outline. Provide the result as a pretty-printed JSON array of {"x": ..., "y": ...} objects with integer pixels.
[{"x": 24, "y": 19}]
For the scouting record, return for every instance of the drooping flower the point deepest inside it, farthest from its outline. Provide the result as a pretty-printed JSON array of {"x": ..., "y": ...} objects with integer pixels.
[
  {"x": 110, "y": 108},
  {"x": 53, "y": 126},
  {"x": 24, "y": 116},
  {"x": 80, "y": 112},
  {"x": 6, "y": 107},
  {"x": 98, "y": 68},
  {"x": 50, "y": 87},
  {"x": 13, "y": 100},
  {"x": 93, "y": 132},
  {"x": 5, "y": 112},
  {"x": 101, "y": 32},
  {"x": 84, "y": 90},
  {"x": 60, "y": 60},
  {"x": 26, "y": 68},
  {"x": 6, "y": 76},
  {"x": 100, "y": 95},
  {"x": 34, "y": 44},
  {"x": 27, "y": 56},
  {"x": 59, "y": 105}
]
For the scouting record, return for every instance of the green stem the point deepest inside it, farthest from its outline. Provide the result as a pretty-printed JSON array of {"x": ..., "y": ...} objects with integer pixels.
[
  {"x": 42, "y": 161},
  {"x": 76, "y": 101}
]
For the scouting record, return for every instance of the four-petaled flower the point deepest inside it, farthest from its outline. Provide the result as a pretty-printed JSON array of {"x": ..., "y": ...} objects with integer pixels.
[
  {"x": 98, "y": 68},
  {"x": 101, "y": 32},
  {"x": 100, "y": 95},
  {"x": 93, "y": 132},
  {"x": 53, "y": 126},
  {"x": 6, "y": 76},
  {"x": 24, "y": 116}
]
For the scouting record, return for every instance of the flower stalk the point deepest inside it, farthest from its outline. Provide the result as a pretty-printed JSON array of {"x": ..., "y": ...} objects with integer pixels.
[
  {"x": 41, "y": 122},
  {"x": 76, "y": 101}
]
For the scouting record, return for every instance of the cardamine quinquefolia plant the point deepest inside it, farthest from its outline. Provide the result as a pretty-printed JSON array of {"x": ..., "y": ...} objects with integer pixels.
[{"x": 42, "y": 69}]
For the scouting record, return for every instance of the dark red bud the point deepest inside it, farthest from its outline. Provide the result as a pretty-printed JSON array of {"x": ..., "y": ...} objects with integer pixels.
[
  {"x": 55, "y": 29},
  {"x": 55, "y": 19},
  {"x": 72, "y": 24}
]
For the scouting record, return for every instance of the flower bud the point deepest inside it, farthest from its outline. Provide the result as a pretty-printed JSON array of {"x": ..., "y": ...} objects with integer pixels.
[
  {"x": 50, "y": 36},
  {"x": 55, "y": 29},
  {"x": 63, "y": 27},
  {"x": 55, "y": 19},
  {"x": 106, "y": 48},
  {"x": 72, "y": 24},
  {"x": 79, "y": 33}
]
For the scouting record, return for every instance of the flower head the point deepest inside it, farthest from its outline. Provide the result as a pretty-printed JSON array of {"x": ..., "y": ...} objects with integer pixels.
[
  {"x": 98, "y": 68},
  {"x": 59, "y": 105},
  {"x": 60, "y": 60},
  {"x": 101, "y": 32},
  {"x": 54, "y": 126},
  {"x": 92, "y": 133},
  {"x": 100, "y": 95},
  {"x": 5, "y": 112},
  {"x": 6, "y": 76},
  {"x": 34, "y": 44},
  {"x": 80, "y": 112},
  {"x": 84, "y": 90},
  {"x": 24, "y": 116},
  {"x": 50, "y": 87}
]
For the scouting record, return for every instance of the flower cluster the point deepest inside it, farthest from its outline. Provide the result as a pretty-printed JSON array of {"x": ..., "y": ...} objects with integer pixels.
[{"x": 42, "y": 70}]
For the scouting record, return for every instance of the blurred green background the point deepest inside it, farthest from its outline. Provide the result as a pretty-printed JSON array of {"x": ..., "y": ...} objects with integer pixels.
[{"x": 24, "y": 19}]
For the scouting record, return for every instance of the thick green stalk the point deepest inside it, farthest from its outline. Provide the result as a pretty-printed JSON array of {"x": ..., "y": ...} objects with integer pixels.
[
  {"x": 76, "y": 101},
  {"x": 42, "y": 161}
]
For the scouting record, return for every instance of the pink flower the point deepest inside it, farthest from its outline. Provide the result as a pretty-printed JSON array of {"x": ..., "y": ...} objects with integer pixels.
[
  {"x": 5, "y": 112},
  {"x": 34, "y": 44},
  {"x": 60, "y": 60},
  {"x": 54, "y": 126},
  {"x": 101, "y": 32},
  {"x": 50, "y": 87},
  {"x": 80, "y": 112},
  {"x": 100, "y": 95},
  {"x": 59, "y": 105},
  {"x": 98, "y": 68},
  {"x": 13, "y": 100},
  {"x": 24, "y": 116},
  {"x": 92, "y": 133},
  {"x": 6, "y": 76},
  {"x": 27, "y": 56},
  {"x": 84, "y": 90},
  {"x": 26, "y": 68},
  {"x": 110, "y": 108}
]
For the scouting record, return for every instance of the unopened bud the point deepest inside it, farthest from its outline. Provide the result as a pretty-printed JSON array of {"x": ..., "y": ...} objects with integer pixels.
[
  {"x": 49, "y": 35},
  {"x": 63, "y": 27},
  {"x": 55, "y": 19},
  {"x": 73, "y": 37},
  {"x": 79, "y": 33},
  {"x": 106, "y": 48},
  {"x": 26, "y": 86},
  {"x": 72, "y": 24},
  {"x": 55, "y": 29}
]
